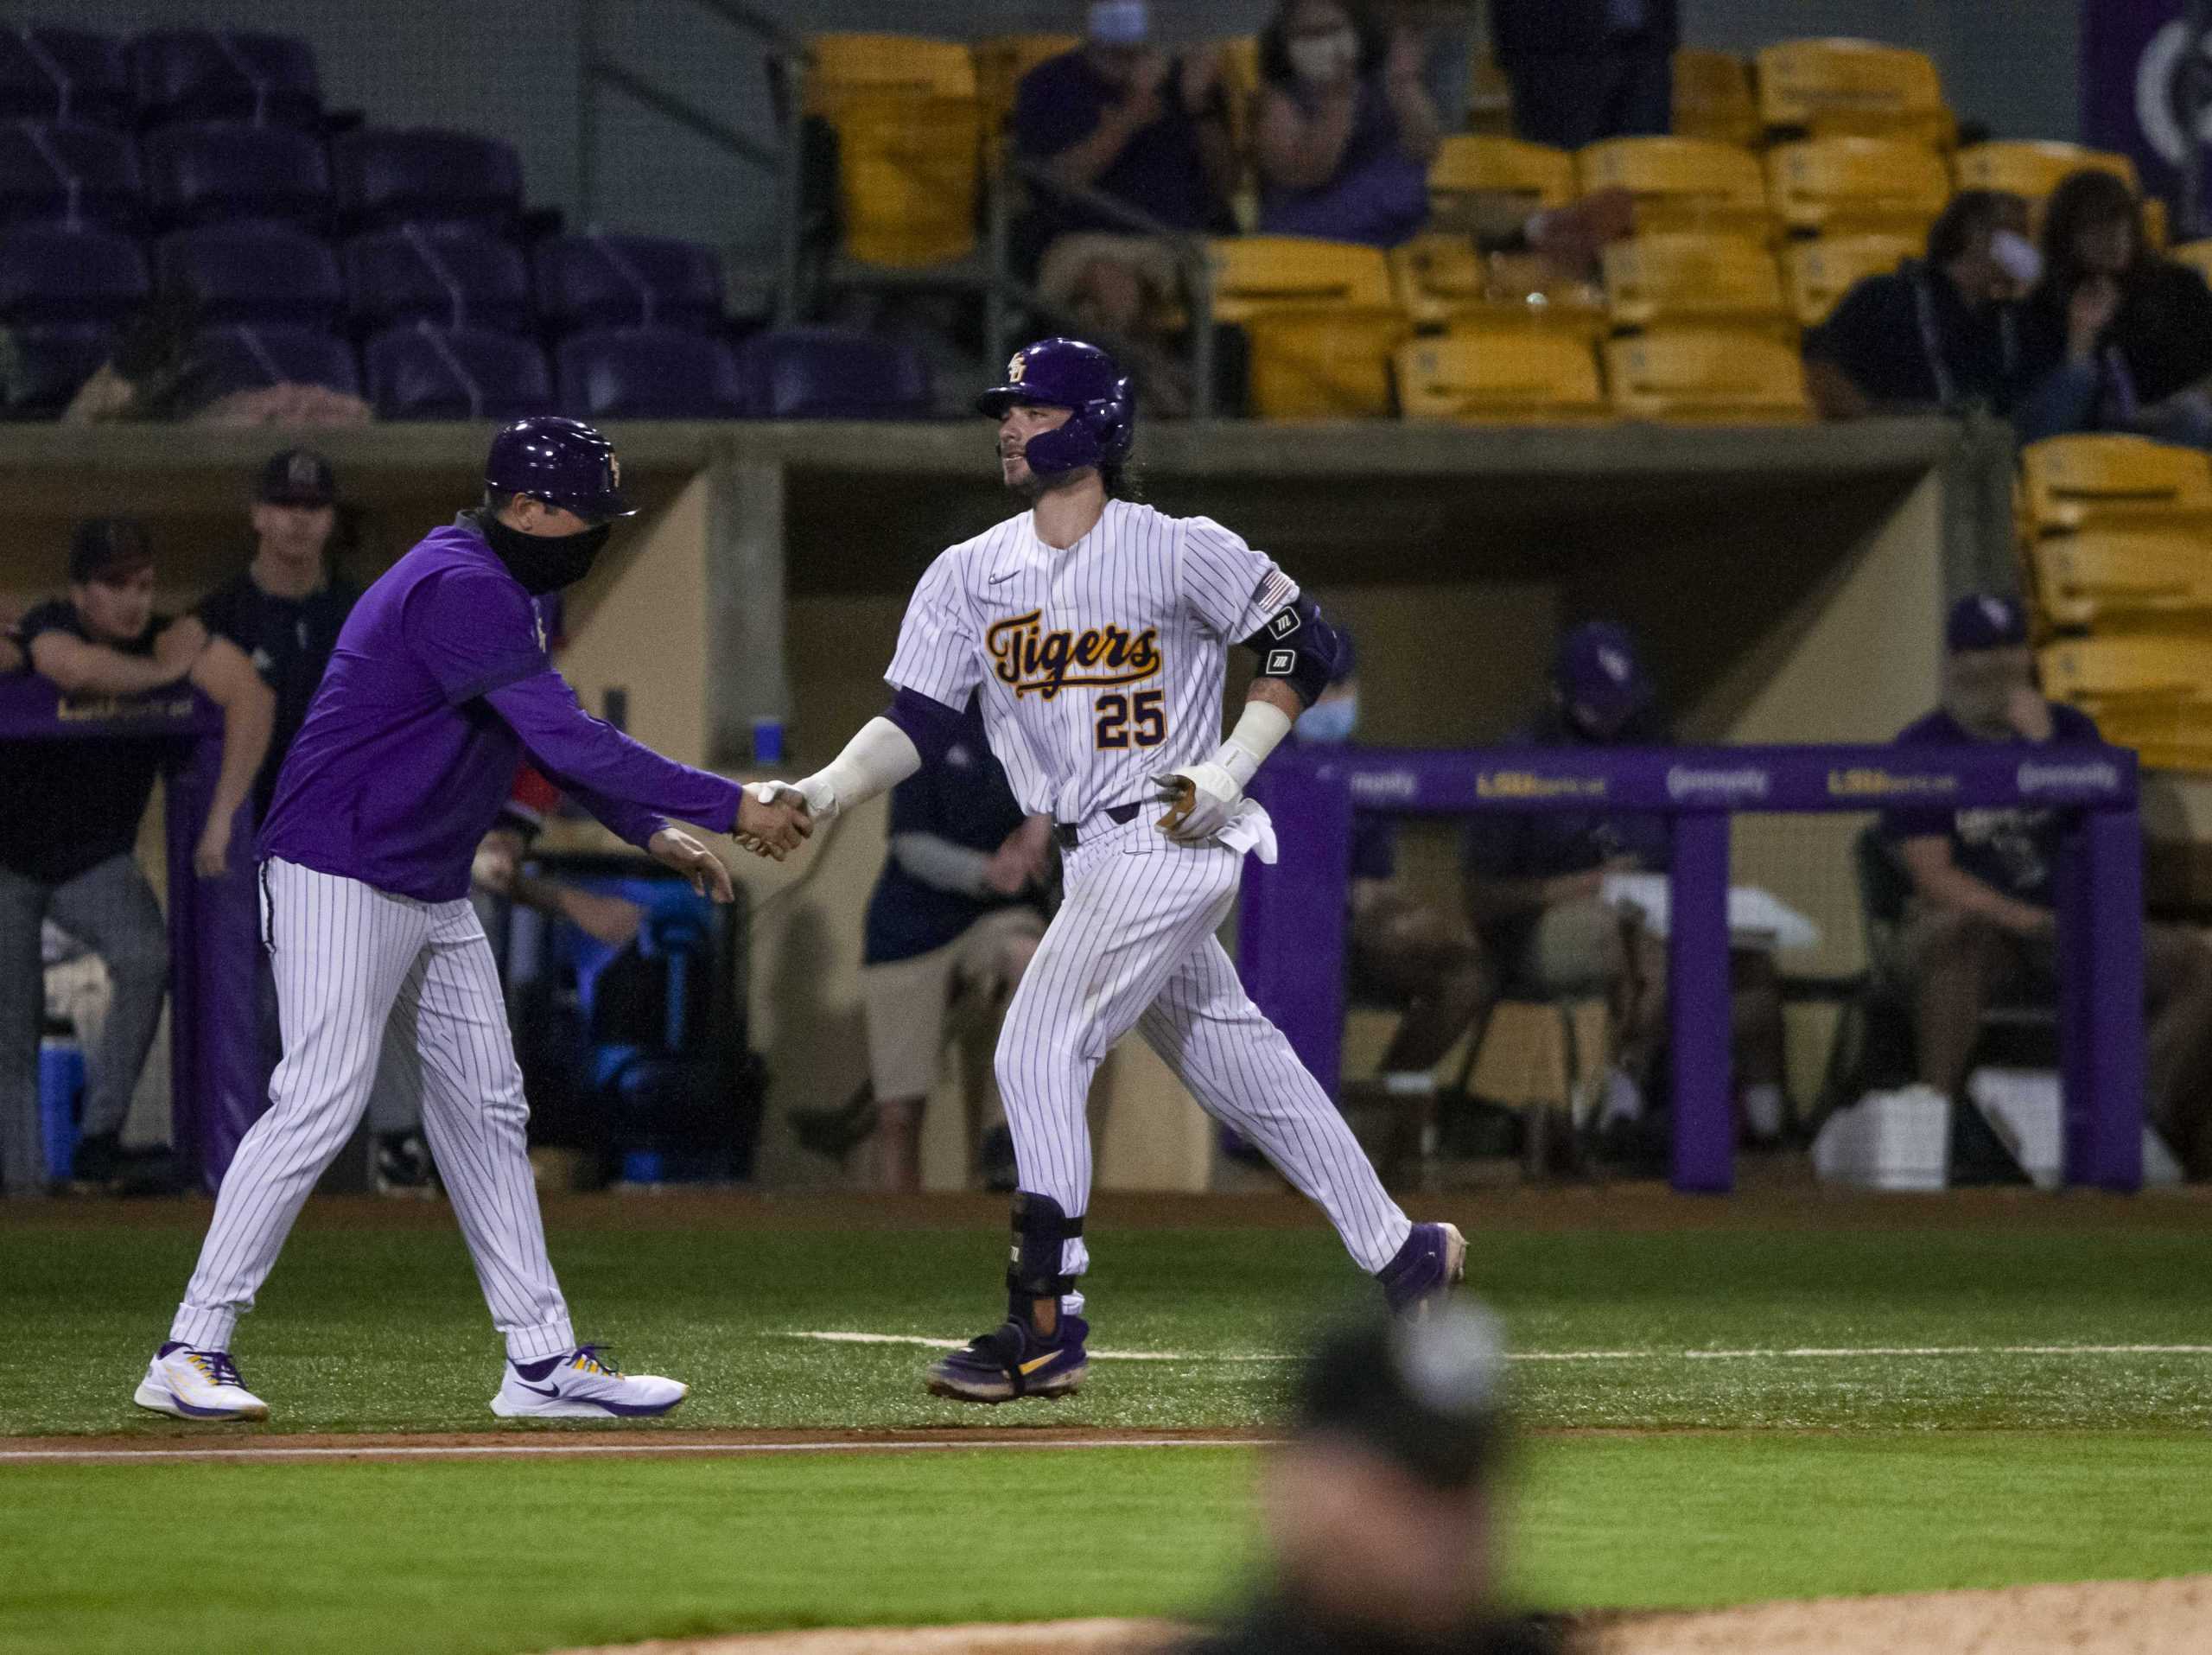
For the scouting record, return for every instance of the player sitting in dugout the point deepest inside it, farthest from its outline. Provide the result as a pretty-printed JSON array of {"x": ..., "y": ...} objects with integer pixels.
[
  {"x": 68, "y": 836},
  {"x": 1982, "y": 928},
  {"x": 1536, "y": 893}
]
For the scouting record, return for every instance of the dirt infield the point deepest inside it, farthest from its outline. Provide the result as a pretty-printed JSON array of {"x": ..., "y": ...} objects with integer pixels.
[{"x": 2095, "y": 1617}]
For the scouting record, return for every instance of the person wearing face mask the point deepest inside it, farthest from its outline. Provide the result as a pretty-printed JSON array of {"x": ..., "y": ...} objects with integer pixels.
[
  {"x": 1343, "y": 128},
  {"x": 1422, "y": 955},
  {"x": 1982, "y": 923},
  {"x": 1584, "y": 70},
  {"x": 439, "y": 685},
  {"x": 1535, "y": 882},
  {"x": 1942, "y": 332},
  {"x": 2115, "y": 338}
]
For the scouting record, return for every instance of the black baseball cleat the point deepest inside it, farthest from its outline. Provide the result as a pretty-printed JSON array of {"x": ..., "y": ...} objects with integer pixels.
[{"x": 1013, "y": 1361}]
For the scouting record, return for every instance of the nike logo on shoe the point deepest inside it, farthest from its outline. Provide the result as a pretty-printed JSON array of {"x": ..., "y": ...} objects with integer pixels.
[
  {"x": 1035, "y": 1363},
  {"x": 539, "y": 1390}
]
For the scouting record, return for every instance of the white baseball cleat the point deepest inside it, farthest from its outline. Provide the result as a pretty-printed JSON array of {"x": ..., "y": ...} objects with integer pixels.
[
  {"x": 197, "y": 1384},
  {"x": 583, "y": 1384}
]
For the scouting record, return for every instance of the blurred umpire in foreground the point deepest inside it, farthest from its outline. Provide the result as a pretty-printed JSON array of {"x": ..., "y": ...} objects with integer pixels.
[{"x": 1381, "y": 1510}]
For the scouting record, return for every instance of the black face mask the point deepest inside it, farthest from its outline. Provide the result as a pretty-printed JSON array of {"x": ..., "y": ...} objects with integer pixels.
[{"x": 543, "y": 562}]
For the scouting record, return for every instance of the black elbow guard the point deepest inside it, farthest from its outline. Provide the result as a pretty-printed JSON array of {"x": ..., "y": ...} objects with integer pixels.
[{"x": 1298, "y": 646}]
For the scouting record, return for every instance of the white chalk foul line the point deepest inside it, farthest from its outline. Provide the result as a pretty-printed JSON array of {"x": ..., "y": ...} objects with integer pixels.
[
  {"x": 642, "y": 1447},
  {"x": 1841, "y": 1353}
]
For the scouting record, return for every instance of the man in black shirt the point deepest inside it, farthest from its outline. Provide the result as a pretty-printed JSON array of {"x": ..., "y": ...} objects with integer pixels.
[{"x": 71, "y": 820}]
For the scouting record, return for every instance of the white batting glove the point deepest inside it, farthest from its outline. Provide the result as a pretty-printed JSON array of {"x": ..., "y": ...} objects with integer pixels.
[
  {"x": 817, "y": 795},
  {"x": 1200, "y": 801}
]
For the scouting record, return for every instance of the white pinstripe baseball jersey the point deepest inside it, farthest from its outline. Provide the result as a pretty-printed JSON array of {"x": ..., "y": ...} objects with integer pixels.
[{"x": 1101, "y": 665}]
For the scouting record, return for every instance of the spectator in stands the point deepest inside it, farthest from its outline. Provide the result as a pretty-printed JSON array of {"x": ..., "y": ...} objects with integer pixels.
[
  {"x": 71, "y": 821},
  {"x": 1942, "y": 332},
  {"x": 1982, "y": 926},
  {"x": 1123, "y": 118},
  {"x": 2115, "y": 338},
  {"x": 1418, "y": 954},
  {"x": 158, "y": 372},
  {"x": 1535, "y": 893},
  {"x": 1583, "y": 70},
  {"x": 952, "y": 925},
  {"x": 1343, "y": 130}
]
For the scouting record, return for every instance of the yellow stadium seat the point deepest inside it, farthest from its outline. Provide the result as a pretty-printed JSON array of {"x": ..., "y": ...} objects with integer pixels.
[
  {"x": 1252, "y": 274},
  {"x": 1321, "y": 320},
  {"x": 1468, "y": 164},
  {"x": 1844, "y": 88},
  {"x": 1519, "y": 375},
  {"x": 2073, "y": 483},
  {"x": 2197, "y": 254},
  {"x": 843, "y": 66},
  {"x": 2032, "y": 170},
  {"x": 1821, "y": 272},
  {"x": 1490, "y": 95},
  {"x": 1712, "y": 98},
  {"x": 1707, "y": 375},
  {"x": 2156, "y": 232},
  {"x": 1666, "y": 281},
  {"x": 2145, "y": 670},
  {"x": 1858, "y": 186},
  {"x": 907, "y": 177},
  {"x": 1441, "y": 281},
  {"x": 1681, "y": 184},
  {"x": 2125, "y": 577}
]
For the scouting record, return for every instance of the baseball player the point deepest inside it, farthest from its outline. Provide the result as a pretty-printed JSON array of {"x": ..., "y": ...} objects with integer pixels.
[
  {"x": 439, "y": 684},
  {"x": 1096, "y": 630}
]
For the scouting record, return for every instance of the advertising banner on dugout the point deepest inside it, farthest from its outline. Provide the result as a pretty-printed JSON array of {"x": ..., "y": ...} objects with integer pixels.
[{"x": 2133, "y": 55}]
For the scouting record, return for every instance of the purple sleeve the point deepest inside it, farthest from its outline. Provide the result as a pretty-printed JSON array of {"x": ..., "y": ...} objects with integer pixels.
[
  {"x": 474, "y": 630},
  {"x": 931, "y": 725},
  {"x": 625, "y": 784}
]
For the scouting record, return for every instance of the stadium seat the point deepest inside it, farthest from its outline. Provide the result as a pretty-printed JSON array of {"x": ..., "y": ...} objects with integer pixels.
[
  {"x": 1468, "y": 164},
  {"x": 2125, "y": 577},
  {"x": 1843, "y": 186},
  {"x": 58, "y": 273},
  {"x": 1686, "y": 184},
  {"x": 198, "y": 74},
  {"x": 907, "y": 176},
  {"x": 2143, "y": 670},
  {"x": 422, "y": 372},
  {"x": 1673, "y": 280},
  {"x": 1846, "y": 88},
  {"x": 1321, "y": 320},
  {"x": 1252, "y": 274},
  {"x": 2033, "y": 169},
  {"x": 844, "y": 67},
  {"x": 253, "y": 358},
  {"x": 453, "y": 275},
  {"x": 1442, "y": 282},
  {"x": 426, "y": 175},
  {"x": 833, "y": 373},
  {"x": 1519, "y": 375},
  {"x": 76, "y": 174},
  {"x": 62, "y": 75},
  {"x": 252, "y": 273},
  {"x": 1821, "y": 272},
  {"x": 1707, "y": 375},
  {"x": 201, "y": 174},
  {"x": 2197, "y": 254},
  {"x": 1712, "y": 98},
  {"x": 51, "y": 363},
  {"x": 2073, "y": 483},
  {"x": 601, "y": 281},
  {"x": 648, "y": 373}
]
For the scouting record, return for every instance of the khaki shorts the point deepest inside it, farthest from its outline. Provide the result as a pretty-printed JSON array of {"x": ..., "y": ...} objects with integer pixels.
[
  {"x": 1151, "y": 262},
  {"x": 907, "y": 1000},
  {"x": 1575, "y": 948}
]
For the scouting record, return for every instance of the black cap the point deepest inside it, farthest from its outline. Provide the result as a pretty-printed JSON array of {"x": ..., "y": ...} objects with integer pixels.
[
  {"x": 108, "y": 548},
  {"x": 1426, "y": 1394},
  {"x": 297, "y": 477}
]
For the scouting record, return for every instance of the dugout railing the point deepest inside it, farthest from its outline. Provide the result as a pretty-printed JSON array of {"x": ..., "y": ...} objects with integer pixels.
[{"x": 1290, "y": 936}]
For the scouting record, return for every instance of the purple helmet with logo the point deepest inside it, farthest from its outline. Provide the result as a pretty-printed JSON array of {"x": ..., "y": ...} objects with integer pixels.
[
  {"x": 564, "y": 462},
  {"x": 1068, "y": 373}
]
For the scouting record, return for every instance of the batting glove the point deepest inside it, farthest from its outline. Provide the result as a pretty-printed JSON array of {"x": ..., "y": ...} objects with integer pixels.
[
  {"x": 819, "y": 797},
  {"x": 1199, "y": 800}
]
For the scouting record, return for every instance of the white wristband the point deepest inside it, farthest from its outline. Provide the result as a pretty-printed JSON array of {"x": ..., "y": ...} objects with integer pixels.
[{"x": 1258, "y": 733}]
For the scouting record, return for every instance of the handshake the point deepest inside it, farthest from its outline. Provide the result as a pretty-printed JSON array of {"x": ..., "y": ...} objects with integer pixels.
[{"x": 775, "y": 818}]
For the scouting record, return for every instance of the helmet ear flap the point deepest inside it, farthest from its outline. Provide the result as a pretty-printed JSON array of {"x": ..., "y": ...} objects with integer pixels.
[{"x": 1098, "y": 432}]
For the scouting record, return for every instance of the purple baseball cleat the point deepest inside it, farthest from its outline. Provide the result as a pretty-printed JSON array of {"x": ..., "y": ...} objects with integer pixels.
[
  {"x": 1015, "y": 1361},
  {"x": 1431, "y": 1263}
]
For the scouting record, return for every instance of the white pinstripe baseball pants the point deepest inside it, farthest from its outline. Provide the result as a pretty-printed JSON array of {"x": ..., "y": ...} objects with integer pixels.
[
  {"x": 364, "y": 977},
  {"x": 1134, "y": 947}
]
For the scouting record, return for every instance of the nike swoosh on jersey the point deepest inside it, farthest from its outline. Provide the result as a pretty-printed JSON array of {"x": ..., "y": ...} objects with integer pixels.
[{"x": 998, "y": 579}]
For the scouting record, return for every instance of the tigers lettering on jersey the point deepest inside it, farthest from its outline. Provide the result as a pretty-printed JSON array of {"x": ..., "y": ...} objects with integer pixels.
[{"x": 1030, "y": 661}]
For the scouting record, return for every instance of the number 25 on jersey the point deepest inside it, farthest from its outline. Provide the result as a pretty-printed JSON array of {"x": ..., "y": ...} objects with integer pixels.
[{"x": 1124, "y": 721}]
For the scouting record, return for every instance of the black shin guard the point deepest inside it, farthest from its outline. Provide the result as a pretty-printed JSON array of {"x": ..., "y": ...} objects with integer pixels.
[{"x": 1040, "y": 1233}]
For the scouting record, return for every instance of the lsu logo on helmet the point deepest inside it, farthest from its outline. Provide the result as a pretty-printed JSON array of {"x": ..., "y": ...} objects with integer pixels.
[{"x": 1013, "y": 369}]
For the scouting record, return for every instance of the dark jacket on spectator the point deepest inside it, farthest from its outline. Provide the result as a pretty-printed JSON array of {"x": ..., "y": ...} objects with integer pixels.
[
  {"x": 2162, "y": 335},
  {"x": 1910, "y": 338}
]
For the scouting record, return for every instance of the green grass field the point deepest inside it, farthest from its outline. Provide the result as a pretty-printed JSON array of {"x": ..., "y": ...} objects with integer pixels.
[{"x": 1792, "y": 1398}]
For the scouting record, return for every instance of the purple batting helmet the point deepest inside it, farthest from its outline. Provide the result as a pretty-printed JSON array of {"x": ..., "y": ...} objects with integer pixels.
[
  {"x": 1068, "y": 373},
  {"x": 564, "y": 462}
]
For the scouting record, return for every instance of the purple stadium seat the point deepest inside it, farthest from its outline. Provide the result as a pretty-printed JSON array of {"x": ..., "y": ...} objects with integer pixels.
[
  {"x": 649, "y": 373},
  {"x": 74, "y": 174},
  {"x": 599, "y": 281},
  {"x": 424, "y": 175},
  {"x": 427, "y": 372},
  {"x": 198, "y": 74},
  {"x": 454, "y": 275},
  {"x": 252, "y": 272},
  {"x": 228, "y": 169},
  {"x": 63, "y": 74},
  {"x": 53, "y": 273},
  {"x": 52, "y": 362},
  {"x": 243, "y": 358},
  {"x": 833, "y": 373}
]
